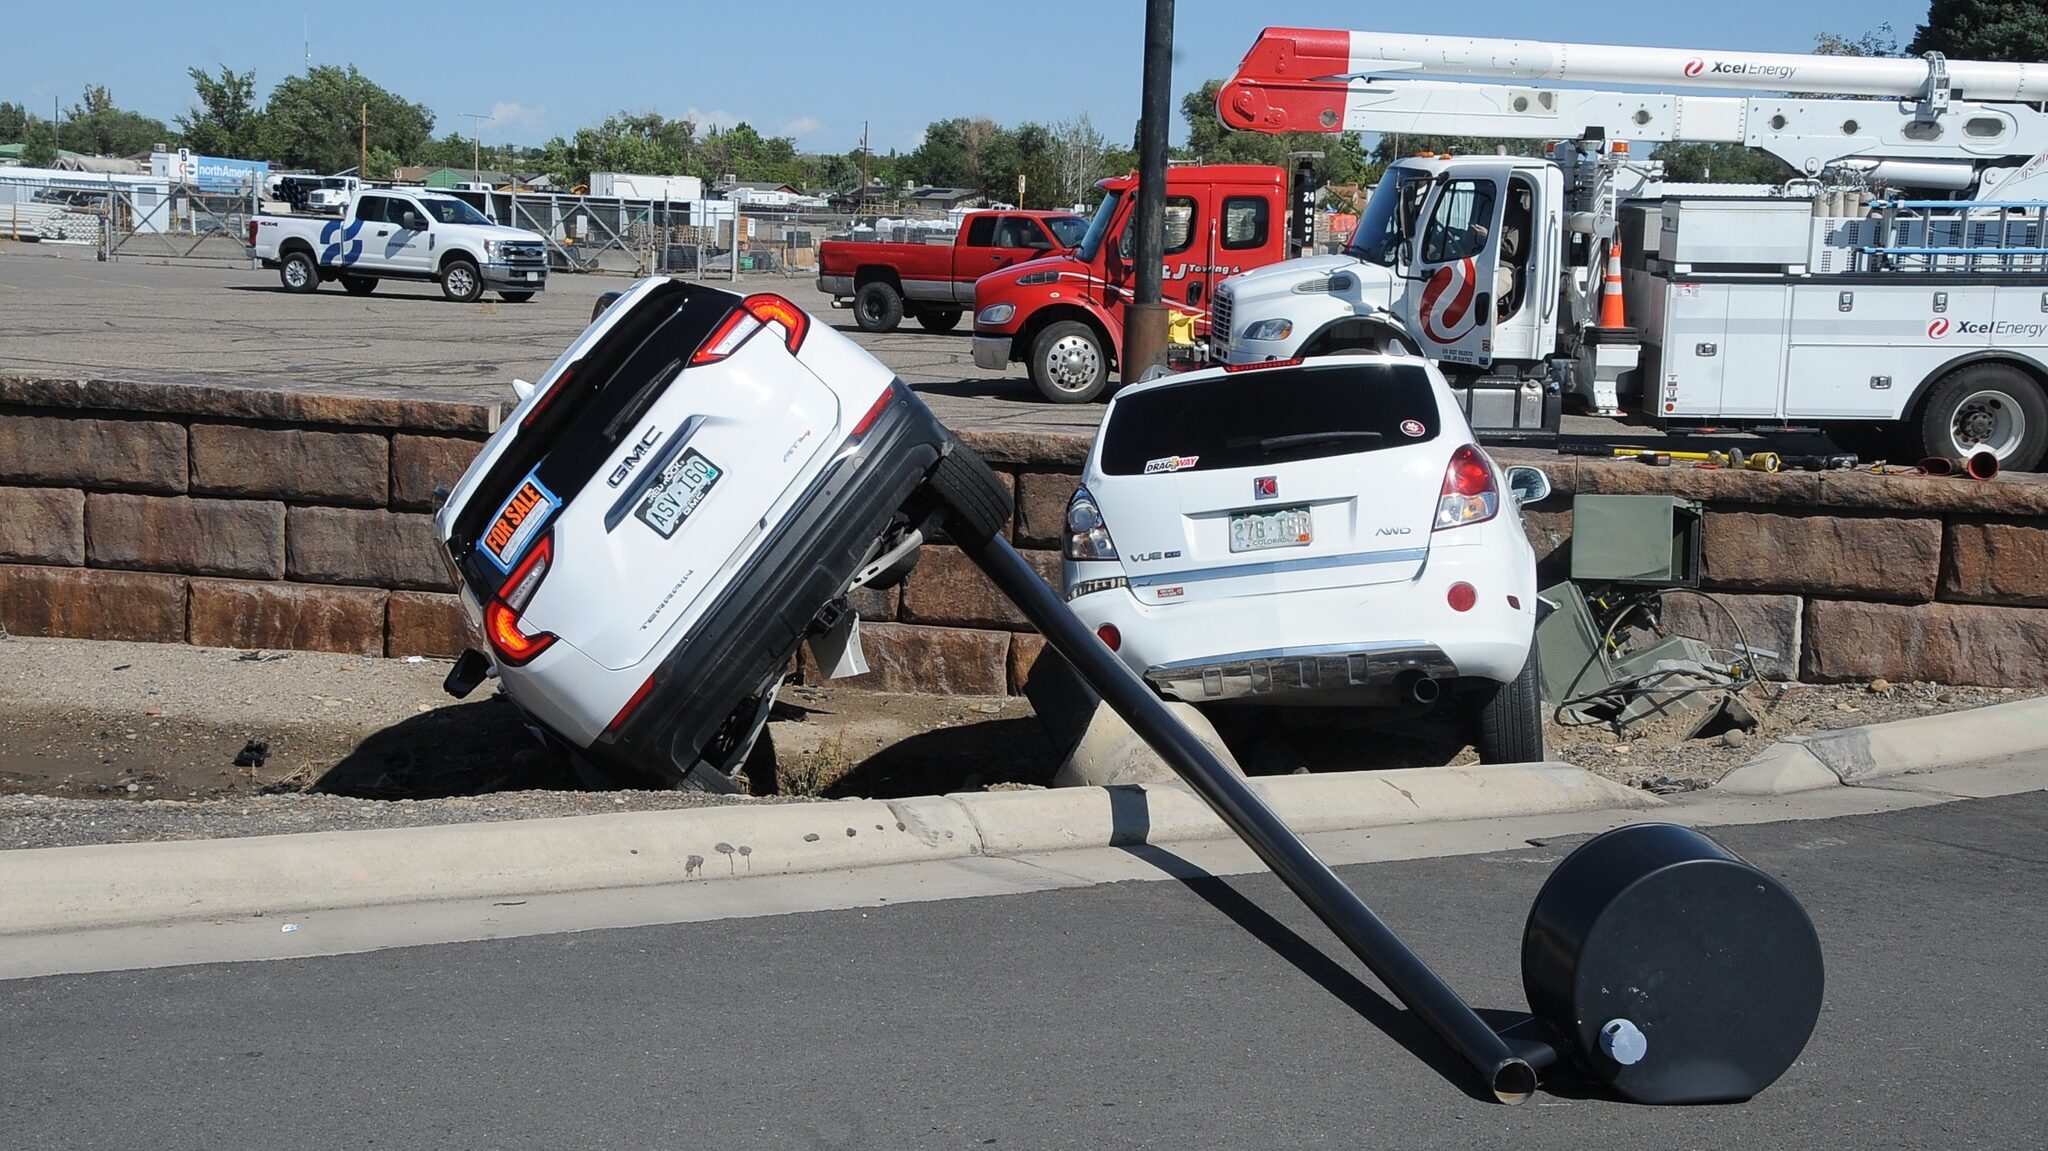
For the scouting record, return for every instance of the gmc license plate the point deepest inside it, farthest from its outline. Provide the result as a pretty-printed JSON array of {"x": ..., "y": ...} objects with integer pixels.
[
  {"x": 682, "y": 486},
  {"x": 1281, "y": 528}
]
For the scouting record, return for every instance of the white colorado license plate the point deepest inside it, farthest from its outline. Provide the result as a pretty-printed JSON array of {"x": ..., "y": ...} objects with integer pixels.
[
  {"x": 1283, "y": 528},
  {"x": 682, "y": 486}
]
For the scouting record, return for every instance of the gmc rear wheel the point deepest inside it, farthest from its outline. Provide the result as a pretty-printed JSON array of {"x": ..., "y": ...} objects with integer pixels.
[
  {"x": 877, "y": 307},
  {"x": 1068, "y": 364}
]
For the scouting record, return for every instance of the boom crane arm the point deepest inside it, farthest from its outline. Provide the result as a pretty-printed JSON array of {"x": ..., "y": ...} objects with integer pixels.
[{"x": 1906, "y": 120}]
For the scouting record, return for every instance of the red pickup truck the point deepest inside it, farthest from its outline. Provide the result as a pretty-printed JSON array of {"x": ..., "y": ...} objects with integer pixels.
[
  {"x": 1063, "y": 316},
  {"x": 885, "y": 282}
]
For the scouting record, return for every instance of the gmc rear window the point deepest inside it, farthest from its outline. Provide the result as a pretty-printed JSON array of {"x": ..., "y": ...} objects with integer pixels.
[{"x": 1271, "y": 416}]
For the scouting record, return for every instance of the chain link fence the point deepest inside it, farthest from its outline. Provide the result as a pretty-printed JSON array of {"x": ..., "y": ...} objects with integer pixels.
[{"x": 130, "y": 217}]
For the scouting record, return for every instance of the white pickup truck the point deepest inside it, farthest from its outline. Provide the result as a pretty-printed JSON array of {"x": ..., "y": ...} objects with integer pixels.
[{"x": 392, "y": 234}]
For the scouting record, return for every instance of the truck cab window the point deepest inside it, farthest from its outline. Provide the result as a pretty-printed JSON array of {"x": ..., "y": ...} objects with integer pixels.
[
  {"x": 1019, "y": 232},
  {"x": 1384, "y": 227},
  {"x": 981, "y": 231},
  {"x": 1180, "y": 226},
  {"x": 371, "y": 210},
  {"x": 1244, "y": 222},
  {"x": 1457, "y": 229},
  {"x": 1511, "y": 275}
]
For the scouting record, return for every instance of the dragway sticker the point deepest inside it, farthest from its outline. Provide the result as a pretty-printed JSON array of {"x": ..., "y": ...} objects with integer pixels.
[{"x": 1170, "y": 464}]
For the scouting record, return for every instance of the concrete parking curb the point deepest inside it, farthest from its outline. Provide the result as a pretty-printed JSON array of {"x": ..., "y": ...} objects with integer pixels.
[
  {"x": 1877, "y": 751},
  {"x": 71, "y": 888}
]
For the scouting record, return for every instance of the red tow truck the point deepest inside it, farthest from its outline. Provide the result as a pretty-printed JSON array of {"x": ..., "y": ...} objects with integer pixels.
[
  {"x": 1063, "y": 315},
  {"x": 885, "y": 282}
]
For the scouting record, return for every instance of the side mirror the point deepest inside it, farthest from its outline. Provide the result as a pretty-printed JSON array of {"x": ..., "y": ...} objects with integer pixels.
[
  {"x": 1528, "y": 485},
  {"x": 411, "y": 222}
]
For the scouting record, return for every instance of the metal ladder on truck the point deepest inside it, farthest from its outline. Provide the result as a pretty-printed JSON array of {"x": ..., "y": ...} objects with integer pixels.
[{"x": 1955, "y": 237}]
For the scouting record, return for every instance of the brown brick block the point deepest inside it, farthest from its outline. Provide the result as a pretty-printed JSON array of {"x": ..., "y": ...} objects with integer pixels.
[
  {"x": 176, "y": 533},
  {"x": 1999, "y": 563},
  {"x": 1549, "y": 531},
  {"x": 427, "y": 623},
  {"x": 1769, "y": 622},
  {"x": 419, "y": 464},
  {"x": 124, "y": 455},
  {"x": 946, "y": 588},
  {"x": 1716, "y": 485},
  {"x": 42, "y": 525},
  {"x": 356, "y": 546},
  {"x": 876, "y": 603},
  {"x": 251, "y": 615},
  {"x": 935, "y": 660},
  {"x": 1943, "y": 642},
  {"x": 1886, "y": 559},
  {"x": 1042, "y": 506},
  {"x": 1025, "y": 648},
  {"x": 81, "y": 604},
  {"x": 291, "y": 464}
]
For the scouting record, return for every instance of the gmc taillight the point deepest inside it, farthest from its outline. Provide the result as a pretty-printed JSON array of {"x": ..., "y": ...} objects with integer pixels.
[
  {"x": 1469, "y": 494},
  {"x": 754, "y": 313},
  {"x": 515, "y": 645}
]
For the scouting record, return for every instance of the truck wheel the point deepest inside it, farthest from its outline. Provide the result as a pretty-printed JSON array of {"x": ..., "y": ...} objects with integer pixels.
[
  {"x": 359, "y": 285},
  {"x": 1994, "y": 408},
  {"x": 298, "y": 273},
  {"x": 938, "y": 319},
  {"x": 1511, "y": 718},
  {"x": 1067, "y": 363},
  {"x": 461, "y": 282},
  {"x": 515, "y": 297},
  {"x": 978, "y": 502},
  {"x": 877, "y": 307}
]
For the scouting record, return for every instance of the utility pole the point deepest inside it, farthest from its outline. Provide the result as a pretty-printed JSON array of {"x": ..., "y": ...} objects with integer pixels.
[
  {"x": 363, "y": 148},
  {"x": 477, "y": 120},
  {"x": 1145, "y": 320},
  {"x": 861, "y": 205}
]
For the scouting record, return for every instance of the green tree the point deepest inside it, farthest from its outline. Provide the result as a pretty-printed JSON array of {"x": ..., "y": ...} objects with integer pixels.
[
  {"x": 39, "y": 145},
  {"x": 13, "y": 122},
  {"x": 313, "y": 120},
  {"x": 643, "y": 142},
  {"x": 1693, "y": 161},
  {"x": 227, "y": 120},
  {"x": 1879, "y": 41},
  {"x": 99, "y": 127},
  {"x": 2005, "y": 30}
]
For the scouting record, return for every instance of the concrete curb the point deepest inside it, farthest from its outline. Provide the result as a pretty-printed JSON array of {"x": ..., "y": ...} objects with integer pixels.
[
  {"x": 1877, "y": 751},
  {"x": 69, "y": 888}
]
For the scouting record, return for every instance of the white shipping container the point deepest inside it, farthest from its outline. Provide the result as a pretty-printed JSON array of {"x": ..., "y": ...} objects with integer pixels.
[{"x": 631, "y": 186}]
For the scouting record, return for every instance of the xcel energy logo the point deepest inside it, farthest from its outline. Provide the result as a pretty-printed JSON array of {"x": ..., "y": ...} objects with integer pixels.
[{"x": 1941, "y": 326}]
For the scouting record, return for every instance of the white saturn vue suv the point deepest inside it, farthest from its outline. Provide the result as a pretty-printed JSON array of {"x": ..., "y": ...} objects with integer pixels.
[{"x": 1322, "y": 533}]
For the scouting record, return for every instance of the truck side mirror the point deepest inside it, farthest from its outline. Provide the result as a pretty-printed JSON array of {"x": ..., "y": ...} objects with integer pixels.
[{"x": 412, "y": 222}]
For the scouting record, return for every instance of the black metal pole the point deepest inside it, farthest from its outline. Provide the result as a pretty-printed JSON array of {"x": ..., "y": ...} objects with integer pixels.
[
  {"x": 1145, "y": 319},
  {"x": 1509, "y": 1071}
]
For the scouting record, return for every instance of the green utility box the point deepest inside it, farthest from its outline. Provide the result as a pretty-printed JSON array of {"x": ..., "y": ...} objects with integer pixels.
[{"x": 1636, "y": 540}]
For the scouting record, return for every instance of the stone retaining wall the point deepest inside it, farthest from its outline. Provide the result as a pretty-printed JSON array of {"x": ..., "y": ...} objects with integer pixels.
[{"x": 271, "y": 519}]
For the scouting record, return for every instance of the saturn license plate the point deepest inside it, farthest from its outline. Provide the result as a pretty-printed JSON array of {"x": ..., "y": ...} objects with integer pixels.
[{"x": 1280, "y": 528}]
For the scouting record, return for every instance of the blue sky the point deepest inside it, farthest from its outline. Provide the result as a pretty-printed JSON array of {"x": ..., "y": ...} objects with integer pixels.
[{"x": 812, "y": 69}]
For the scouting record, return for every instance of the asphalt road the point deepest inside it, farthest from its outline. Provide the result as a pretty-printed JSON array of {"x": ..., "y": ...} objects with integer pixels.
[
  {"x": 1199, "y": 1013},
  {"x": 139, "y": 319}
]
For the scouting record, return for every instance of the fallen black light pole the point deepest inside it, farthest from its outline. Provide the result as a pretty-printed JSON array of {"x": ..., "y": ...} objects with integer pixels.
[
  {"x": 1510, "y": 1072},
  {"x": 1667, "y": 967}
]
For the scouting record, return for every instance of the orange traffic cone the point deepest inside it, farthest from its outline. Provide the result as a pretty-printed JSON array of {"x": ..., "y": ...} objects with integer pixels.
[{"x": 1611, "y": 313}]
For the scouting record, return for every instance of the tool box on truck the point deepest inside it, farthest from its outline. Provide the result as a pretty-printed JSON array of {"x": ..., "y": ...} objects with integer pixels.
[{"x": 690, "y": 492}]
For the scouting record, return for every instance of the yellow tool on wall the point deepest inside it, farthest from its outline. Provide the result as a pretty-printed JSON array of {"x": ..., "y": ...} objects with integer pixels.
[{"x": 1732, "y": 458}]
